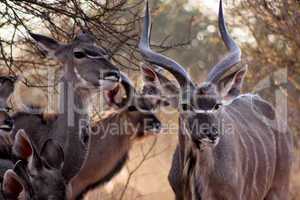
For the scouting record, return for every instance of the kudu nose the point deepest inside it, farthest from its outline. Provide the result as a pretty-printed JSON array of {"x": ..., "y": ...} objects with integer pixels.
[
  {"x": 7, "y": 125},
  {"x": 9, "y": 121},
  {"x": 157, "y": 126},
  {"x": 85, "y": 135},
  {"x": 154, "y": 125},
  {"x": 211, "y": 133}
]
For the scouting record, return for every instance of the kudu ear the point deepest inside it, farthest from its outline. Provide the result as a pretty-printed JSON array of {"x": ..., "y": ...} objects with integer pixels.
[
  {"x": 22, "y": 146},
  {"x": 114, "y": 97},
  {"x": 149, "y": 75},
  {"x": 169, "y": 90},
  {"x": 230, "y": 86},
  {"x": 20, "y": 169},
  {"x": 12, "y": 185},
  {"x": 52, "y": 154},
  {"x": 48, "y": 45}
]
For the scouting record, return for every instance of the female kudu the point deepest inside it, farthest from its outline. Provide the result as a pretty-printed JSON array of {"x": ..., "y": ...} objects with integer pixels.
[
  {"x": 112, "y": 137},
  {"x": 85, "y": 67}
]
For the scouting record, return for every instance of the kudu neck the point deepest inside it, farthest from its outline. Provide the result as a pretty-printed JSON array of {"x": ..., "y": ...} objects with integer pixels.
[
  {"x": 198, "y": 166},
  {"x": 3, "y": 103},
  {"x": 73, "y": 97},
  {"x": 73, "y": 112},
  {"x": 198, "y": 161},
  {"x": 117, "y": 124}
]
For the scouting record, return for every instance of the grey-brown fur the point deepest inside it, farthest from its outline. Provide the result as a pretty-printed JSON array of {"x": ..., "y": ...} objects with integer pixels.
[
  {"x": 251, "y": 162},
  {"x": 231, "y": 146},
  {"x": 111, "y": 140},
  {"x": 27, "y": 178},
  {"x": 7, "y": 84},
  {"x": 85, "y": 67},
  {"x": 108, "y": 151}
]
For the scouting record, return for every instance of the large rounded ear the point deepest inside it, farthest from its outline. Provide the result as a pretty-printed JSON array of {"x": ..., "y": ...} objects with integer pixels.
[
  {"x": 156, "y": 83},
  {"x": 12, "y": 185},
  {"x": 46, "y": 44},
  {"x": 24, "y": 149},
  {"x": 149, "y": 74},
  {"x": 230, "y": 85},
  {"x": 22, "y": 146},
  {"x": 20, "y": 169},
  {"x": 263, "y": 108},
  {"x": 52, "y": 154}
]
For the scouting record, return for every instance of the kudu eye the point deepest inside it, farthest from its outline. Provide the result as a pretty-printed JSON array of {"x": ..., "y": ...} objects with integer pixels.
[
  {"x": 217, "y": 106},
  {"x": 95, "y": 55},
  {"x": 85, "y": 134},
  {"x": 79, "y": 54},
  {"x": 92, "y": 53},
  {"x": 132, "y": 108}
]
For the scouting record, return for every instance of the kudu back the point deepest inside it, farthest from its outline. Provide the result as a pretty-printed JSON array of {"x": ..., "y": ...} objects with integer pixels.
[
  {"x": 230, "y": 146},
  {"x": 113, "y": 136}
]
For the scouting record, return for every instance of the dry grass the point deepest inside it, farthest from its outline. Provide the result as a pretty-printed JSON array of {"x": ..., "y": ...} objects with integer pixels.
[
  {"x": 147, "y": 181},
  {"x": 150, "y": 180}
]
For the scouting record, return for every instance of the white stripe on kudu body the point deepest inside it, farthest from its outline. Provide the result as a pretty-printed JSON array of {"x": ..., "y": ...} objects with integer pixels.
[{"x": 246, "y": 157}]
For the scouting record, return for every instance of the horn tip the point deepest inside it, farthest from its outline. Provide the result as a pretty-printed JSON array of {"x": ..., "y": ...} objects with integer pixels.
[
  {"x": 147, "y": 10},
  {"x": 221, "y": 9}
]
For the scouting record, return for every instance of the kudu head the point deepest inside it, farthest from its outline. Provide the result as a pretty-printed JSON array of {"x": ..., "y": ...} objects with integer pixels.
[
  {"x": 7, "y": 84},
  {"x": 38, "y": 175},
  {"x": 200, "y": 106},
  {"x": 161, "y": 90},
  {"x": 84, "y": 62},
  {"x": 138, "y": 108}
]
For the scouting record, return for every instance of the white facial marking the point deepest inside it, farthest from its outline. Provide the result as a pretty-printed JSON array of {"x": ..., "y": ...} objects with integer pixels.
[
  {"x": 84, "y": 82},
  {"x": 228, "y": 102},
  {"x": 205, "y": 111},
  {"x": 111, "y": 78},
  {"x": 4, "y": 126},
  {"x": 107, "y": 84},
  {"x": 98, "y": 57},
  {"x": 207, "y": 141},
  {"x": 217, "y": 140}
]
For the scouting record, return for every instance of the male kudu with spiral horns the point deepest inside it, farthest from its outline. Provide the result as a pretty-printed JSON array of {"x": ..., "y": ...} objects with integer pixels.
[{"x": 230, "y": 146}]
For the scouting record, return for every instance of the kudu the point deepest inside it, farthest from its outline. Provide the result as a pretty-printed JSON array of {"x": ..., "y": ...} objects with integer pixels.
[
  {"x": 15, "y": 186},
  {"x": 85, "y": 67},
  {"x": 113, "y": 136},
  {"x": 7, "y": 84},
  {"x": 6, "y": 123},
  {"x": 24, "y": 180},
  {"x": 231, "y": 146}
]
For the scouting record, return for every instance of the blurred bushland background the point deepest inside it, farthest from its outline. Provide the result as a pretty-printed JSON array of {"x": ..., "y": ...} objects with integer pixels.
[{"x": 268, "y": 32}]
